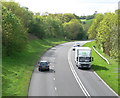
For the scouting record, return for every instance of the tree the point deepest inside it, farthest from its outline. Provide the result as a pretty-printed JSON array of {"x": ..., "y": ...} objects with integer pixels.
[
  {"x": 21, "y": 12},
  {"x": 107, "y": 36},
  {"x": 89, "y": 17},
  {"x": 74, "y": 29},
  {"x": 92, "y": 30},
  {"x": 37, "y": 26},
  {"x": 14, "y": 36},
  {"x": 53, "y": 26},
  {"x": 67, "y": 17}
]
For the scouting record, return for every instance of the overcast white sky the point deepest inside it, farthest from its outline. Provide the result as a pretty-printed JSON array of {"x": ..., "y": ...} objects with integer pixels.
[{"x": 79, "y": 7}]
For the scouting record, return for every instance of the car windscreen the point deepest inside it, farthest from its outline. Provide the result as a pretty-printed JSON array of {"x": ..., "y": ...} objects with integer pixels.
[{"x": 43, "y": 63}]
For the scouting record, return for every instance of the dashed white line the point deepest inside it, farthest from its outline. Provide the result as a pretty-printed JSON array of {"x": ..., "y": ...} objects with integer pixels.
[
  {"x": 55, "y": 88},
  {"x": 53, "y": 78}
]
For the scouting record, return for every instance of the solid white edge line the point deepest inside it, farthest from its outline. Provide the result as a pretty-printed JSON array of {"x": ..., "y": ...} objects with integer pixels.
[
  {"x": 101, "y": 80},
  {"x": 76, "y": 76},
  {"x": 105, "y": 83},
  {"x": 55, "y": 88},
  {"x": 100, "y": 77}
]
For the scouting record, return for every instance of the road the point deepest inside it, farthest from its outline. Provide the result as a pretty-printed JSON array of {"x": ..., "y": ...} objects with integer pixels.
[{"x": 64, "y": 78}]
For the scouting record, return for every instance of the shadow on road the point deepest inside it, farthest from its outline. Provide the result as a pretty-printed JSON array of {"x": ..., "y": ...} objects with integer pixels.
[
  {"x": 94, "y": 68},
  {"x": 44, "y": 71},
  {"x": 50, "y": 71}
]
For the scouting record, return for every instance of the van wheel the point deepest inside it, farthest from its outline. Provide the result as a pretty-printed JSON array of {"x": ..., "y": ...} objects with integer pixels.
[
  {"x": 78, "y": 67},
  {"x": 48, "y": 69},
  {"x": 89, "y": 68}
]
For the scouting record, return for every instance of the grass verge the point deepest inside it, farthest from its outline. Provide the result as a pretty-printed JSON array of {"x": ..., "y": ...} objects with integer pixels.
[
  {"x": 108, "y": 72},
  {"x": 17, "y": 70}
]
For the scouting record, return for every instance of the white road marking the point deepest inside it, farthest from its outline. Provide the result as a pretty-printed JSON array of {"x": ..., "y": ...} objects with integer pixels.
[
  {"x": 74, "y": 73},
  {"x": 55, "y": 88},
  {"x": 53, "y": 48},
  {"x": 50, "y": 67},
  {"x": 105, "y": 84},
  {"x": 76, "y": 76},
  {"x": 37, "y": 68}
]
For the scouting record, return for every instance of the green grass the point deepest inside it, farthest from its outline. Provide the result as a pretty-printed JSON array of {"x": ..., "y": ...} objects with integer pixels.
[
  {"x": 17, "y": 70},
  {"x": 108, "y": 72},
  {"x": 87, "y": 23},
  {"x": 83, "y": 20}
]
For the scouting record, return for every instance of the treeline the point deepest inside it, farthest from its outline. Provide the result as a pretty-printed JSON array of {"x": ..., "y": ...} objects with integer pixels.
[
  {"x": 66, "y": 25},
  {"x": 88, "y": 17},
  {"x": 18, "y": 22},
  {"x": 15, "y": 25},
  {"x": 105, "y": 30}
]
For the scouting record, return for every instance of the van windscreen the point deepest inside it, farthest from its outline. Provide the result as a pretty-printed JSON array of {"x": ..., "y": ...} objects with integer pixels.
[{"x": 84, "y": 59}]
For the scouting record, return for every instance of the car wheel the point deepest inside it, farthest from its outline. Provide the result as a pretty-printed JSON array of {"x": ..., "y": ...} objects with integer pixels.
[{"x": 39, "y": 69}]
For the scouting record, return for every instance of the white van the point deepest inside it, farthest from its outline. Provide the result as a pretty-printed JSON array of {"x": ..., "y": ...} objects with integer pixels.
[{"x": 83, "y": 57}]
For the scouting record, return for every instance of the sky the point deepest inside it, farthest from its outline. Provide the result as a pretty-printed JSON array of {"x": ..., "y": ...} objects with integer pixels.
[{"x": 78, "y": 7}]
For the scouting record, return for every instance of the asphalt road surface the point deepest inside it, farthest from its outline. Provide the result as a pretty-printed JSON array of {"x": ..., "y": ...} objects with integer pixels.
[{"x": 64, "y": 78}]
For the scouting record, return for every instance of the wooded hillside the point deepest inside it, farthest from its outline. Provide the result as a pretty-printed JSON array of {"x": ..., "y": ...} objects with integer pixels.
[
  {"x": 105, "y": 30},
  {"x": 18, "y": 22}
]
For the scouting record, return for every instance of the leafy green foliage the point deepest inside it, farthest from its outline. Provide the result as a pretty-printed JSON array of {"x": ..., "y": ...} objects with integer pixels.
[
  {"x": 37, "y": 26},
  {"x": 67, "y": 17},
  {"x": 56, "y": 25},
  {"x": 46, "y": 26},
  {"x": 74, "y": 29},
  {"x": 14, "y": 35},
  {"x": 88, "y": 17},
  {"x": 53, "y": 27},
  {"x": 105, "y": 30},
  {"x": 92, "y": 30},
  {"x": 107, "y": 36},
  {"x": 21, "y": 12}
]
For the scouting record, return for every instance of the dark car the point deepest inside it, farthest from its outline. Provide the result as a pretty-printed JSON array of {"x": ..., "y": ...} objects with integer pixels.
[
  {"x": 43, "y": 65},
  {"x": 76, "y": 45}
]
